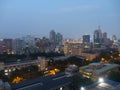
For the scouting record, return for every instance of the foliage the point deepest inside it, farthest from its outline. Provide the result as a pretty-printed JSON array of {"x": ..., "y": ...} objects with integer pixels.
[
  {"x": 114, "y": 75},
  {"x": 79, "y": 81},
  {"x": 115, "y": 61},
  {"x": 14, "y": 57}
]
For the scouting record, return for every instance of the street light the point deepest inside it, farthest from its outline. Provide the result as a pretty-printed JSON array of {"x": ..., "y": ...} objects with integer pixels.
[
  {"x": 61, "y": 88},
  {"x": 82, "y": 88},
  {"x": 101, "y": 80}
]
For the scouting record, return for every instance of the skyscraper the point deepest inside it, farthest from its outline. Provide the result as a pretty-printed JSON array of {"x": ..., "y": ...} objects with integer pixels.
[
  {"x": 52, "y": 36},
  {"x": 7, "y": 45},
  {"x": 104, "y": 37},
  {"x": 59, "y": 38},
  {"x": 1, "y": 46},
  {"x": 18, "y": 45},
  {"x": 97, "y": 36},
  {"x": 86, "y": 39},
  {"x": 114, "y": 38}
]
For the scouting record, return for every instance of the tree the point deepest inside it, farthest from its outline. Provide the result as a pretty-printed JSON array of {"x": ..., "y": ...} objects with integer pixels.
[
  {"x": 114, "y": 75},
  {"x": 79, "y": 81}
]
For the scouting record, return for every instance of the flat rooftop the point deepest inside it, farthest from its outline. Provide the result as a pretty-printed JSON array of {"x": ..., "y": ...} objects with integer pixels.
[
  {"x": 44, "y": 83},
  {"x": 101, "y": 70},
  {"x": 107, "y": 85}
]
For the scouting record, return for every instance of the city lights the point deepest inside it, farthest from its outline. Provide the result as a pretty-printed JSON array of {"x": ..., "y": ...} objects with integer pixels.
[
  {"x": 101, "y": 80},
  {"x": 61, "y": 88},
  {"x": 82, "y": 88},
  {"x": 59, "y": 45},
  {"x": 118, "y": 54}
]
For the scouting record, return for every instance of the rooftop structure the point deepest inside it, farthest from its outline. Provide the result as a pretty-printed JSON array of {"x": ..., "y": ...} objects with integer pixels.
[
  {"x": 55, "y": 82},
  {"x": 94, "y": 70},
  {"x": 71, "y": 70}
]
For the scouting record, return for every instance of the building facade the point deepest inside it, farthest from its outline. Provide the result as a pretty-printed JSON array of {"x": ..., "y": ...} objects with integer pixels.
[
  {"x": 7, "y": 46},
  {"x": 52, "y": 36},
  {"x": 18, "y": 46},
  {"x": 86, "y": 39},
  {"x": 95, "y": 70},
  {"x": 97, "y": 37}
]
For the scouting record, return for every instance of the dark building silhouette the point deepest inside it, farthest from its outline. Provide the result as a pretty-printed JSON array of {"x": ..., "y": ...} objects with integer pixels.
[{"x": 86, "y": 39}]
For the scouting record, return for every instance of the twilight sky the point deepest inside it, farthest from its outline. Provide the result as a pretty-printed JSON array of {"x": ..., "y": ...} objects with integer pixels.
[{"x": 72, "y": 18}]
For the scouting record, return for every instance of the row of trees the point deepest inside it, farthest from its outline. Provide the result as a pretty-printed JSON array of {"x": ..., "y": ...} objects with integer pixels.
[
  {"x": 62, "y": 64},
  {"x": 114, "y": 75},
  {"x": 14, "y": 57},
  {"x": 107, "y": 55},
  {"x": 26, "y": 73}
]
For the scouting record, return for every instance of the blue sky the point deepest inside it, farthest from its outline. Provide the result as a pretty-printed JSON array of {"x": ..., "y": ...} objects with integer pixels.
[{"x": 72, "y": 18}]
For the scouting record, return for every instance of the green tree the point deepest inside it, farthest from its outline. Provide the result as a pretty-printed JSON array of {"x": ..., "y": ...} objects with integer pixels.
[{"x": 114, "y": 75}]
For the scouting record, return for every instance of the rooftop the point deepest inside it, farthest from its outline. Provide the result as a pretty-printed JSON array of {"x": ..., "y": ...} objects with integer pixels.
[
  {"x": 103, "y": 69},
  {"x": 44, "y": 83}
]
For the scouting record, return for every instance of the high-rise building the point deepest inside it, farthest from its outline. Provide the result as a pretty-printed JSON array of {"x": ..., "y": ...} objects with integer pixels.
[
  {"x": 59, "y": 38},
  {"x": 29, "y": 44},
  {"x": 104, "y": 37},
  {"x": 86, "y": 39},
  {"x": 18, "y": 45},
  {"x": 97, "y": 36},
  {"x": 7, "y": 45},
  {"x": 29, "y": 40},
  {"x": 52, "y": 36},
  {"x": 114, "y": 38},
  {"x": 1, "y": 46}
]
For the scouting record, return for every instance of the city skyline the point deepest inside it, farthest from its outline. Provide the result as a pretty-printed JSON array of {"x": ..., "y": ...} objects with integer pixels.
[{"x": 71, "y": 18}]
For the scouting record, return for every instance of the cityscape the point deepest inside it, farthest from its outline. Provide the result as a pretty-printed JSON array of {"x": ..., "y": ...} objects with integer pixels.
[
  {"x": 80, "y": 52},
  {"x": 29, "y": 58}
]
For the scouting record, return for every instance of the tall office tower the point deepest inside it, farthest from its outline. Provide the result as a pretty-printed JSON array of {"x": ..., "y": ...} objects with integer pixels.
[
  {"x": 7, "y": 45},
  {"x": 86, "y": 39},
  {"x": 29, "y": 44},
  {"x": 18, "y": 45},
  {"x": 104, "y": 37},
  {"x": 52, "y": 36},
  {"x": 29, "y": 40},
  {"x": 114, "y": 38},
  {"x": 1, "y": 46},
  {"x": 59, "y": 38},
  {"x": 97, "y": 36}
]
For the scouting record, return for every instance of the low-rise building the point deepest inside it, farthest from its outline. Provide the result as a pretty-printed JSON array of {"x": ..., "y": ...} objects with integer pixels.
[
  {"x": 73, "y": 48},
  {"x": 43, "y": 63},
  {"x": 71, "y": 70},
  {"x": 9, "y": 67},
  {"x": 95, "y": 70},
  {"x": 89, "y": 56}
]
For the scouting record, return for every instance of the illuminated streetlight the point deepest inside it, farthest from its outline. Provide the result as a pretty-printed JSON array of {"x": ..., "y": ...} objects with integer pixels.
[
  {"x": 111, "y": 56},
  {"x": 82, "y": 88},
  {"x": 6, "y": 74},
  {"x": 118, "y": 54},
  {"x": 61, "y": 88},
  {"x": 87, "y": 59},
  {"x": 9, "y": 70},
  {"x": 101, "y": 80},
  {"x": 102, "y": 59}
]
